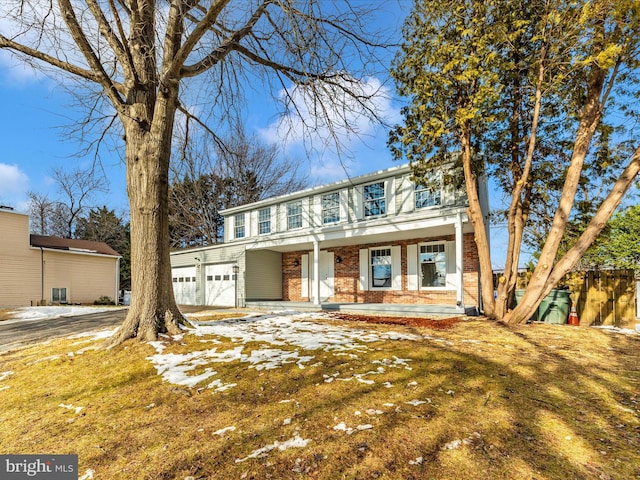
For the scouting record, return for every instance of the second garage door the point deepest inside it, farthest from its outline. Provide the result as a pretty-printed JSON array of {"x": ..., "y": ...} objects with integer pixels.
[{"x": 220, "y": 285}]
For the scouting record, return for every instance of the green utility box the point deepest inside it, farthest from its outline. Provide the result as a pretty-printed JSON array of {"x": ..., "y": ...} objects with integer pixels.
[{"x": 554, "y": 308}]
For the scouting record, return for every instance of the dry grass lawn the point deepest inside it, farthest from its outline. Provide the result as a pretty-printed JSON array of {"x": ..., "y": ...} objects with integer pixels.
[
  {"x": 6, "y": 314},
  {"x": 475, "y": 401}
]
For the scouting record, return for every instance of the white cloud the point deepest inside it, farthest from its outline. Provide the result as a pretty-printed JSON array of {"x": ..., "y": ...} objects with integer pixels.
[
  {"x": 332, "y": 117},
  {"x": 13, "y": 181}
]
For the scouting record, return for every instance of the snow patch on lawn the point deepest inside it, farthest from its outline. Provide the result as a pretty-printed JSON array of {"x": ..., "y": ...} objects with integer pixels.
[
  {"x": 285, "y": 338},
  {"x": 224, "y": 430},
  {"x": 295, "y": 442}
]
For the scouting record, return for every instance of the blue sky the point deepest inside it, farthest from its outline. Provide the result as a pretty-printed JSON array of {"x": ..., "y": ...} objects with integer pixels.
[{"x": 36, "y": 113}]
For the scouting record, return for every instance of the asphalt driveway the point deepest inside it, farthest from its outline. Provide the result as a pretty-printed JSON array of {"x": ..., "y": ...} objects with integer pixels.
[{"x": 17, "y": 333}]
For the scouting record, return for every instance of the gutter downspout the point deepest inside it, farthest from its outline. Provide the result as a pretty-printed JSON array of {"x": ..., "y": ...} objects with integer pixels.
[
  {"x": 41, "y": 275},
  {"x": 117, "y": 295}
]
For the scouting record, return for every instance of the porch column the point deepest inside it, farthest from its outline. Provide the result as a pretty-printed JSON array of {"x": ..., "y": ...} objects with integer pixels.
[
  {"x": 459, "y": 261},
  {"x": 315, "y": 287}
]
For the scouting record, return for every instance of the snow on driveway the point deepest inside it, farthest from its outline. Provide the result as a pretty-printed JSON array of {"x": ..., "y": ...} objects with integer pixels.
[{"x": 40, "y": 313}]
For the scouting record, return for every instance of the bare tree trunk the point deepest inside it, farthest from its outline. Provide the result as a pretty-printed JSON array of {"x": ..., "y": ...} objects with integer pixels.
[
  {"x": 148, "y": 150},
  {"x": 597, "y": 223},
  {"x": 480, "y": 232}
]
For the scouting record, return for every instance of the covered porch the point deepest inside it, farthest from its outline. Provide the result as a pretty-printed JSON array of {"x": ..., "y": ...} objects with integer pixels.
[{"x": 327, "y": 271}]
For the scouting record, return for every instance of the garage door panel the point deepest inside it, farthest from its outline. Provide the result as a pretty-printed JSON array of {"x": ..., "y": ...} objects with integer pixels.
[
  {"x": 220, "y": 285},
  {"x": 184, "y": 285}
]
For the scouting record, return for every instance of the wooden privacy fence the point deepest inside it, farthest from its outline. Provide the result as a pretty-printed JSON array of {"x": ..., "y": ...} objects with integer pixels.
[{"x": 603, "y": 297}]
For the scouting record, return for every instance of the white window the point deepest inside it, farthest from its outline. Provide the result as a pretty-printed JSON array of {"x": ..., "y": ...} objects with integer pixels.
[
  {"x": 428, "y": 196},
  {"x": 238, "y": 226},
  {"x": 433, "y": 265},
  {"x": 294, "y": 215},
  {"x": 264, "y": 221},
  {"x": 330, "y": 208},
  {"x": 381, "y": 271},
  {"x": 59, "y": 295},
  {"x": 380, "y": 268},
  {"x": 374, "y": 199}
]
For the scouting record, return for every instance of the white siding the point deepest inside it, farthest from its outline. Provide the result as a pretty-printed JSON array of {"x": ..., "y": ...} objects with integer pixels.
[{"x": 263, "y": 275}]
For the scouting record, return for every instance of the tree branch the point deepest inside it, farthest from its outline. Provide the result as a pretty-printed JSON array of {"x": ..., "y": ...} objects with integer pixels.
[
  {"x": 101, "y": 76},
  {"x": 54, "y": 62},
  {"x": 229, "y": 44}
]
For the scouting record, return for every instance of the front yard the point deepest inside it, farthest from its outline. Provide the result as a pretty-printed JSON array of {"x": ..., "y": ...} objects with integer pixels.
[{"x": 289, "y": 395}]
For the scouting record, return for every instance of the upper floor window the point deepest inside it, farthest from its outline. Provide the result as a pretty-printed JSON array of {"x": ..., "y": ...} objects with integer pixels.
[
  {"x": 374, "y": 199},
  {"x": 238, "y": 228},
  {"x": 294, "y": 215},
  {"x": 264, "y": 221},
  {"x": 433, "y": 265},
  {"x": 331, "y": 208},
  {"x": 427, "y": 196}
]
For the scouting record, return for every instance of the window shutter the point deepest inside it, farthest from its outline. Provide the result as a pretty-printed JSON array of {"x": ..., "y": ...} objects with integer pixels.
[
  {"x": 281, "y": 215},
  {"x": 358, "y": 202},
  {"x": 396, "y": 268},
  {"x": 306, "y": 210},
  {"x": 390, "y": 196},
  {"x": 407, "y": 199},
  {"x": 253, "y": 224},
  {"x": 452, "y": 278},
  {"x": 344, "y": 205},
  {"x": 364, "y": 269},
  {"x": 229, "y": 225},
  {"x": 273, "y": 217},
  {"x": 315, "y": 218},
  {"x": 413, "y": 282},
  {"x": 305, "y": 276}
]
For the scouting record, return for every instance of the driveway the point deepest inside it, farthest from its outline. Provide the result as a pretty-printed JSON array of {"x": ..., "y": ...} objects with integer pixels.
[{"x": 17, "y": 333}]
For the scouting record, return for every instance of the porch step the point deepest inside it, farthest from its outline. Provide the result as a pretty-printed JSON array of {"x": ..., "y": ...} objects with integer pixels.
[{"x": 394, "y": 309}]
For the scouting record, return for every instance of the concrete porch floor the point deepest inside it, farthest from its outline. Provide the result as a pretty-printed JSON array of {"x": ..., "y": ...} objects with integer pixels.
[{"x": 392, "y": 309}]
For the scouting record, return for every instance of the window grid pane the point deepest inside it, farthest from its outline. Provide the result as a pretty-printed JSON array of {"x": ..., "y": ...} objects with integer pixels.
[
  {"x": 433, "y": 265},
  {"x": 374, "y": 200},
  {"x": 331, "y": 208},
  {"x": 264, "y": 221},
  {"x": 381, "y": 268},
  {"x": 426, "y": 198},
  {"x": 294, "y": 215},
  {"x": 239, "y": 226}
]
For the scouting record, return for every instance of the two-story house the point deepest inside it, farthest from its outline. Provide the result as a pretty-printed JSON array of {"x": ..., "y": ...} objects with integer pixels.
[{"x": 374, "y": 239}]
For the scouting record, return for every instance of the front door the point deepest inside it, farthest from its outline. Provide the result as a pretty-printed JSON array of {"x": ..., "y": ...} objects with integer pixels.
[{"x": 327, "y": 281}]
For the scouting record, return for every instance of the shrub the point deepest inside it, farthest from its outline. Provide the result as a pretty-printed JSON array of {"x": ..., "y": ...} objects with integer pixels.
[{"x": 104, "y": 300}]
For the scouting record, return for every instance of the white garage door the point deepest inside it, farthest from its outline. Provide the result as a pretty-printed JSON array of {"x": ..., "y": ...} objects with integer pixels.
[
  {"x": 220, "y": 285},
  {"x": 184, "y": 285}
]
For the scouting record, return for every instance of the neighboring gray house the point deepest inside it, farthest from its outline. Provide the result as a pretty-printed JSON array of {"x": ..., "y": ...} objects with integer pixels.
[{"x": 373, "y": 239}]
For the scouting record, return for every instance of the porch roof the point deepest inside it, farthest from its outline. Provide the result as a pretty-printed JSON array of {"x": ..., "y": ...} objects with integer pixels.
[{"x": 378, "y": 231}]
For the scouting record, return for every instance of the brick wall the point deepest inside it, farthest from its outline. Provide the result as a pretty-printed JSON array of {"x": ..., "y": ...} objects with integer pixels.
[{"x": 347, "y": 277}]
